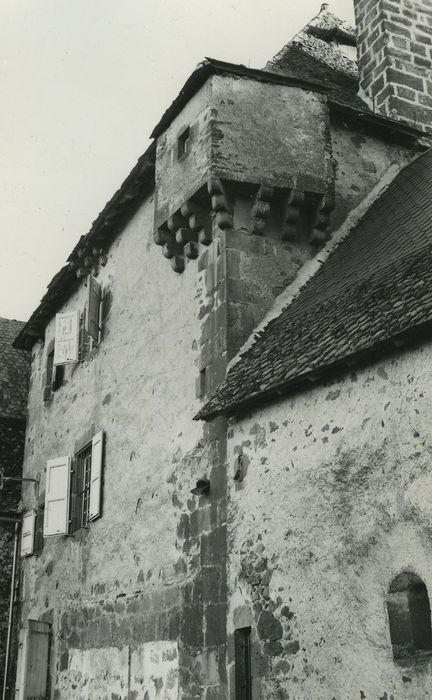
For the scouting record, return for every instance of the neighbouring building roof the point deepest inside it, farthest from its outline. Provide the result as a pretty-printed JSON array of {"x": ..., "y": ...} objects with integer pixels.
[
  {"x": 14, "y": 371},
  {"x": 375, "y": 285}
]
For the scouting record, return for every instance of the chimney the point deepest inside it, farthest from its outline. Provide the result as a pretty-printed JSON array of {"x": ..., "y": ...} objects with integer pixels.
[{"x": 394, "y": 48}]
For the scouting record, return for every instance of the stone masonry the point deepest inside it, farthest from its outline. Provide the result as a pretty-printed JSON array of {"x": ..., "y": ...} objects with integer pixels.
[{"x": 395, "y": 58}]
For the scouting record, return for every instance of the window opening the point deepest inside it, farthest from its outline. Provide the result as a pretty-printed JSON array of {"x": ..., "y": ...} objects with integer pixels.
[
  {"x": 39, "y": 538},
  {"x": 58, "y": 377},
  {"x": 54, "y": 376},
  {"x": 183, "y": 142},
  {"x": 80, "y": 489},
  {"x": 409, "y": 616},
  {"x": 243, "y": 674}
]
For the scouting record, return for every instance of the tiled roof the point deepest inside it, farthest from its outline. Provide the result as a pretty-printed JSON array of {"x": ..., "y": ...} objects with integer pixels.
[
  {"x": 14, "y": 371},
  {"x": 376, "y": 284},
  {"x": 315, "y": 53}
]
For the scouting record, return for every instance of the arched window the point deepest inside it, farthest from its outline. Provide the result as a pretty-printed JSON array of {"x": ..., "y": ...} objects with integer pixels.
[{"x": 409, "y": 615}]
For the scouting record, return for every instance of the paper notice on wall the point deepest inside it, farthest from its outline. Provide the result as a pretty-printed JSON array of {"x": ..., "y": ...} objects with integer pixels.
[{"x": 66, "y": 348}]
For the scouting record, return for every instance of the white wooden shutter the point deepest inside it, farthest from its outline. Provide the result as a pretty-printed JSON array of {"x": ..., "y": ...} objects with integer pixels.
[
  {"x": 56, "y": 516},
  {"x": 21, "y": 664},
  {"x": 95, "y": 507},
  {"x": 33, "y": 665},
  {"x": 28, "y": 533},
  {"x": 93, "y": 307},
  {"x": 66, "y": 346}
]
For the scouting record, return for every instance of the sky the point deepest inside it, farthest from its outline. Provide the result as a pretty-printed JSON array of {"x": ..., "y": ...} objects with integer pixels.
[{"x": 82, "y": 84}]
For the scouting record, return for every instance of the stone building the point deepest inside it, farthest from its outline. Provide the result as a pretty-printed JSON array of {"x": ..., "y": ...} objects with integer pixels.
[
  {"x": 264, "y": 269},
  {"x": 14, "y": 373}
]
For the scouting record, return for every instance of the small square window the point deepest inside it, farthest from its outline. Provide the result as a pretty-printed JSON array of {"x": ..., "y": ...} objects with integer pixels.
[{"x": 183, "y": 143}]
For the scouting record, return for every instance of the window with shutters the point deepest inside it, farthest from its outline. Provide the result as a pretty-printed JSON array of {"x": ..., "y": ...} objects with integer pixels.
[
  {"x": 73, "y": 495},
  {"x": 243, "y": 674},
  {"x": 80, "y": 489}
]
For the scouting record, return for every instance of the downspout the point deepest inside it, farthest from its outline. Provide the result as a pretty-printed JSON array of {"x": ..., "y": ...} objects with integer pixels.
[{"x": 11, "y": 602}]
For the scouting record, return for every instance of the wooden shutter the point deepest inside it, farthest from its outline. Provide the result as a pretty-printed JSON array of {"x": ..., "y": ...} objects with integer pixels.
[
  {"x": 57, "y": 496},
  {"x": 93, "y": 307},
  {"x": 95, "y": 508},
  {"x": 32, "y": 680},
  {"x": 28, "y": 533},
  {"x": 66, "y": 346}
]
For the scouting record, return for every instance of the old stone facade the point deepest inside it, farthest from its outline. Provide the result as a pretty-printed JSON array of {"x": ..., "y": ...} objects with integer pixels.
[
  {"x": 14, "y": 372},
  {"x": 196, "y": 552}
]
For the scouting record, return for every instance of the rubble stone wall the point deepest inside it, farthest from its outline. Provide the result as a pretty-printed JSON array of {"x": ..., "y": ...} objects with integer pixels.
[{"x": 334, "y": 503}]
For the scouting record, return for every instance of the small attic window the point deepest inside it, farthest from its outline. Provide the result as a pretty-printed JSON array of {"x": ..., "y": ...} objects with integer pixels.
[{"x": 183, "y": 143}]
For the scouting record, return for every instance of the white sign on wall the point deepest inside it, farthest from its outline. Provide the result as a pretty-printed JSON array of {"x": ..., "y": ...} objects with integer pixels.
[{"x": 66, "y": 348}]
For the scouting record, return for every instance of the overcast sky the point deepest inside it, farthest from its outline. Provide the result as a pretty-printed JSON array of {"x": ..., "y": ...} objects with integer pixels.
[{"x": 82, "y": 84}]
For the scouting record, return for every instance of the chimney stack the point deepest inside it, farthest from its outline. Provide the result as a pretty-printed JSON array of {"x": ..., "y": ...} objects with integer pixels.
[{"x": 394, "y": 49}]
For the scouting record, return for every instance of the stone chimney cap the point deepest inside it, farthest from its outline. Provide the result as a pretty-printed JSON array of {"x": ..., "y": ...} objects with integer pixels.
[{"x": 324, "y": 7}]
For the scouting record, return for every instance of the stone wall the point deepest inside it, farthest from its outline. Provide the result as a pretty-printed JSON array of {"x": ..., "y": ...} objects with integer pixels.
[
  {"x": 395, "y": 58},
  {"x": 361, "y": 158},
  {"x": 334, "y": 504},
  {"x": 147, "y": 570}
]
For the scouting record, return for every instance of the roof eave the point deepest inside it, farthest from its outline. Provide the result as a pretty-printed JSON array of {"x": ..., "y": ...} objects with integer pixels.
[
  {"x": 112, "y": 219},
  {"x": 407, "y": 133},
  {"x": 211, "y": 66},
  {"x": 395, "y": 341}
]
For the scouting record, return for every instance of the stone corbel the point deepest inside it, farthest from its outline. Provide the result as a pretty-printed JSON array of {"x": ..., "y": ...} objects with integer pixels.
[
  {"x": 220, "y": 203},
  {"x": 261, "y": 209},
  {"x": 199, "y": 224},
  {"x": 291, "y": 215},
  {"x": 319, "y": 233}
]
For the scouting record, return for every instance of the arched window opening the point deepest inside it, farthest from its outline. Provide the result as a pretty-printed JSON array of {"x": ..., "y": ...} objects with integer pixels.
[{"x": 409, "y": 616}]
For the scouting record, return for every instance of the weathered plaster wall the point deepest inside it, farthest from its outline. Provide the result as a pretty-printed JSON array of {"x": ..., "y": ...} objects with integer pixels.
[
  {"x": 270, "y": 133},
  {"x": 177, "y": 179},
  {"x": 248, "y": 132},
  {"x": 360, "y": 160},
  {"x": 148, "y": 671},
  {"x": 335, "y": 502},
  {"x": 148, "y": 569}
]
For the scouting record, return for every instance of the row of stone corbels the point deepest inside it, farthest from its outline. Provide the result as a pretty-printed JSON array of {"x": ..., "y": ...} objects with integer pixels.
[
  {"x": 181, "y": 234},
  {"x": 86, "y": 260}
]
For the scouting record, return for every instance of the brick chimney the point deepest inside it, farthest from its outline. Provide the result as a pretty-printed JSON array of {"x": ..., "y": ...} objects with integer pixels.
[{"x": 394, "y": 47}]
